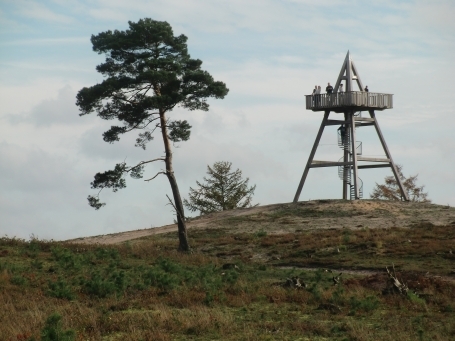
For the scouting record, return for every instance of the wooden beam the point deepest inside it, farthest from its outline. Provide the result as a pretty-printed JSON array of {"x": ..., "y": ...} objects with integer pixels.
[
  {"x": 348, "y": 74},
  {"x": 317, "y": 164},
  {"x": 387, "y": 153},
  {"x": 341, "y": 75},
  {"x": 335, "y": 122},
  {"x": 354, "y": 69},
  {"x": 372, "y": 159},
  {"x": 374, "y": 166},
  {"x": 364, "y": 119},
  {"x": 360, "y": 124},
  {"x": 310, "y": 158}
]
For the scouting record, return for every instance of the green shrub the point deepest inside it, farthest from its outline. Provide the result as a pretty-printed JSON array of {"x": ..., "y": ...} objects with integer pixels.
[
  {"x": 52, "y": 330},
  {"x": 161, "y": 279},
  {"x": 261, "y": 233},
  {"x": 367, "y": 304},
  {"x": 34, "y": 245},
  {"x": 36, "y": 264},
  {"x": 66, "y": 258},
  {"x": 107, "y": 254},
  {"x": 415, "y": 298},
  {"x": 337, "y": 295},
  {"x": 18, "y": 280},
  {"x": 98, "y": 286},
  {"x": 346, "y": 236},
  {"x": 60, "y": 289}
]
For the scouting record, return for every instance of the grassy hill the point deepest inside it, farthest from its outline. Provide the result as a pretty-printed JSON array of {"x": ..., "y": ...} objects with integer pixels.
[{"x": 306, "y": 271}]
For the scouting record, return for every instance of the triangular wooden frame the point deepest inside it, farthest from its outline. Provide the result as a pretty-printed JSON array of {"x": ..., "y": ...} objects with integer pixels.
[{"x": 348, "y": 73}]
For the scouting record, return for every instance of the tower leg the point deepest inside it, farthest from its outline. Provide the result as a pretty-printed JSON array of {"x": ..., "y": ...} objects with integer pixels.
[
  {"x": 389, "y": 156},
  {"x": 310, "y": 158},
  {"x": 354, "y": 156}
]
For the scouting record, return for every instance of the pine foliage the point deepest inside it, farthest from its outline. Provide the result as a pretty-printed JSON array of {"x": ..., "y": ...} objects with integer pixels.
[
  {"x": 222, "y": 190},
  {"x": 147, "y": 73},
  {"x": 391, "y": 191}
]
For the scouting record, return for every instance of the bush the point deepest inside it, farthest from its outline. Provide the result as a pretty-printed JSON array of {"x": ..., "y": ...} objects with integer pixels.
[
  {"x": 98, "y": 286},
  {"x": 18, "y": 280},
  {"x": 60, "y": 289},
  {"x": 66, "y": 258},
  {"x": 52, "y": 330},
  {"x": 367, "y": 304}
]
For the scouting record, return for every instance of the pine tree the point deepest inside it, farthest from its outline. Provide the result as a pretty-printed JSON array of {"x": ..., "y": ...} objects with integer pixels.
[
  {"x": 390, "y": 190},
  {"x": 222, "y": 190},
  {"x": 148, "y": 72}
]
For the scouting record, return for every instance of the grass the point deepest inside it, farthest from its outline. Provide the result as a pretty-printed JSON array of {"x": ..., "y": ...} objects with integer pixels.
[{"x": 232, "y": 287}]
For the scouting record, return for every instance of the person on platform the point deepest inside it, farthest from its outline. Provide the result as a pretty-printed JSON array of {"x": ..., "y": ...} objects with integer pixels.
[
  {"x": 318, "y": 95},
  {"x": 314, "y": 94},
  {"x": 366, "y": 89},
  {"x": 340, "y": 94},
  {"x": 329, "y": 90}
]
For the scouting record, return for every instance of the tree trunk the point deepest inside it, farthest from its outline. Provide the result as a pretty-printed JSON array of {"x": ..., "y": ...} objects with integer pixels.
[{"x": 183, "y": 237}]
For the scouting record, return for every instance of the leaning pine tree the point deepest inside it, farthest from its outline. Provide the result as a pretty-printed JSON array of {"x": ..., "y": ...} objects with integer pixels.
[
  {"x": 222, "y": 190},
  {"x": 148, "y": 72}
]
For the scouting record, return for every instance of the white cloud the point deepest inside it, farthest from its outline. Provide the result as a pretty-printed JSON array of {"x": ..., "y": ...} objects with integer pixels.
[
  {"x": 61, "y": 110},
  {"x": 47, "y": 41},
  {"x": 39, "y": 11}
]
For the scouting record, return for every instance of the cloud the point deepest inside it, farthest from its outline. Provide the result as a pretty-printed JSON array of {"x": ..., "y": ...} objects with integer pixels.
[
  {"x": 39, "y": 11},
  {"x": 61, "y": 110},
  {"x": 30, "y": 170},
  {"x": 47, "y": 41}
]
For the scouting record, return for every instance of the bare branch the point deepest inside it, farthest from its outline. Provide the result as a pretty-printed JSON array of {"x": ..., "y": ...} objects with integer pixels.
[
  {"x": 143, "y": 163},
  {"x": 175, "y": 208},
  {"x": 144, "y": 126},
  {"x": 155, "y": 176}
]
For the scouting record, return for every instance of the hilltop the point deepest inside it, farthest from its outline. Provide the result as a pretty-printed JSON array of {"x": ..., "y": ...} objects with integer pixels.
[{"x": 304, "y": 215}]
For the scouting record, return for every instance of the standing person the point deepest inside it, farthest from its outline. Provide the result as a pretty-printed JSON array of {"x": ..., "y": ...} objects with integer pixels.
[
  {"x": 318, "y": 95},
  {"x": 367, "y": 96},
  {"x": 314, "y": 94},
  {"x": 340, "y": 94},
  {"x": 329, "y": 90}
]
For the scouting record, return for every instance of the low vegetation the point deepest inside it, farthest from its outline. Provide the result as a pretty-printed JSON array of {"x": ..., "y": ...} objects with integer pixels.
[{"x": 236, "y": 285}]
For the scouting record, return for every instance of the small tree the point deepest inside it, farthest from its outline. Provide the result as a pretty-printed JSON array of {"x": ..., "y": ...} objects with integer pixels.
[
  {"x": 222, "y": 190},
  {"x": 390, "y": 190},
  {"x": 148, "y": 72}
]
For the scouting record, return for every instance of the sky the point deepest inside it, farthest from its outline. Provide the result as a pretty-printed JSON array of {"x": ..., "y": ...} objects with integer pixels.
[{"x": 269, "y": 53}]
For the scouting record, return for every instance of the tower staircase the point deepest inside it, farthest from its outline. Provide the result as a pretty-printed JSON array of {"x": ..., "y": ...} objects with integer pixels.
[{"x": 345, "y": 173}]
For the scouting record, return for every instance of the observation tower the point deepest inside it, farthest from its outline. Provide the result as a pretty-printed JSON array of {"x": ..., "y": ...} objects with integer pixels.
[{"x": 351, "y": 103}]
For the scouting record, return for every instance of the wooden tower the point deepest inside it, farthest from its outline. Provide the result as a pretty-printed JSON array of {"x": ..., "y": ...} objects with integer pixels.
[{"x": 351, "y": 103}]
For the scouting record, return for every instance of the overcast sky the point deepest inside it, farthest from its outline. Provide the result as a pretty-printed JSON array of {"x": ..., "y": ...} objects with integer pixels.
[{"x": 269, "y": 54}]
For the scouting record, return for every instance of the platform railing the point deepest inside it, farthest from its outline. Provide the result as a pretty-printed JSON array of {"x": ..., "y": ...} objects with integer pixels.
[{"x": 349, "y": 99}]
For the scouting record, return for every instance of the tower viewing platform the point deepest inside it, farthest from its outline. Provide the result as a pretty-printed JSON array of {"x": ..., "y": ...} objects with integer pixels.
[{"x": 353, "y": 100}]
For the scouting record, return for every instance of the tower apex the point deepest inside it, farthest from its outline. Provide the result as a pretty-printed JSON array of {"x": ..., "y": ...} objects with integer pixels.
[{"x": 349, "y": 74}]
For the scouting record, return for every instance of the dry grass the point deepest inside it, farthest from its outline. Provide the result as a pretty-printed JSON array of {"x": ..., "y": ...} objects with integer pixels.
[{"x": 232, "y": 286}]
